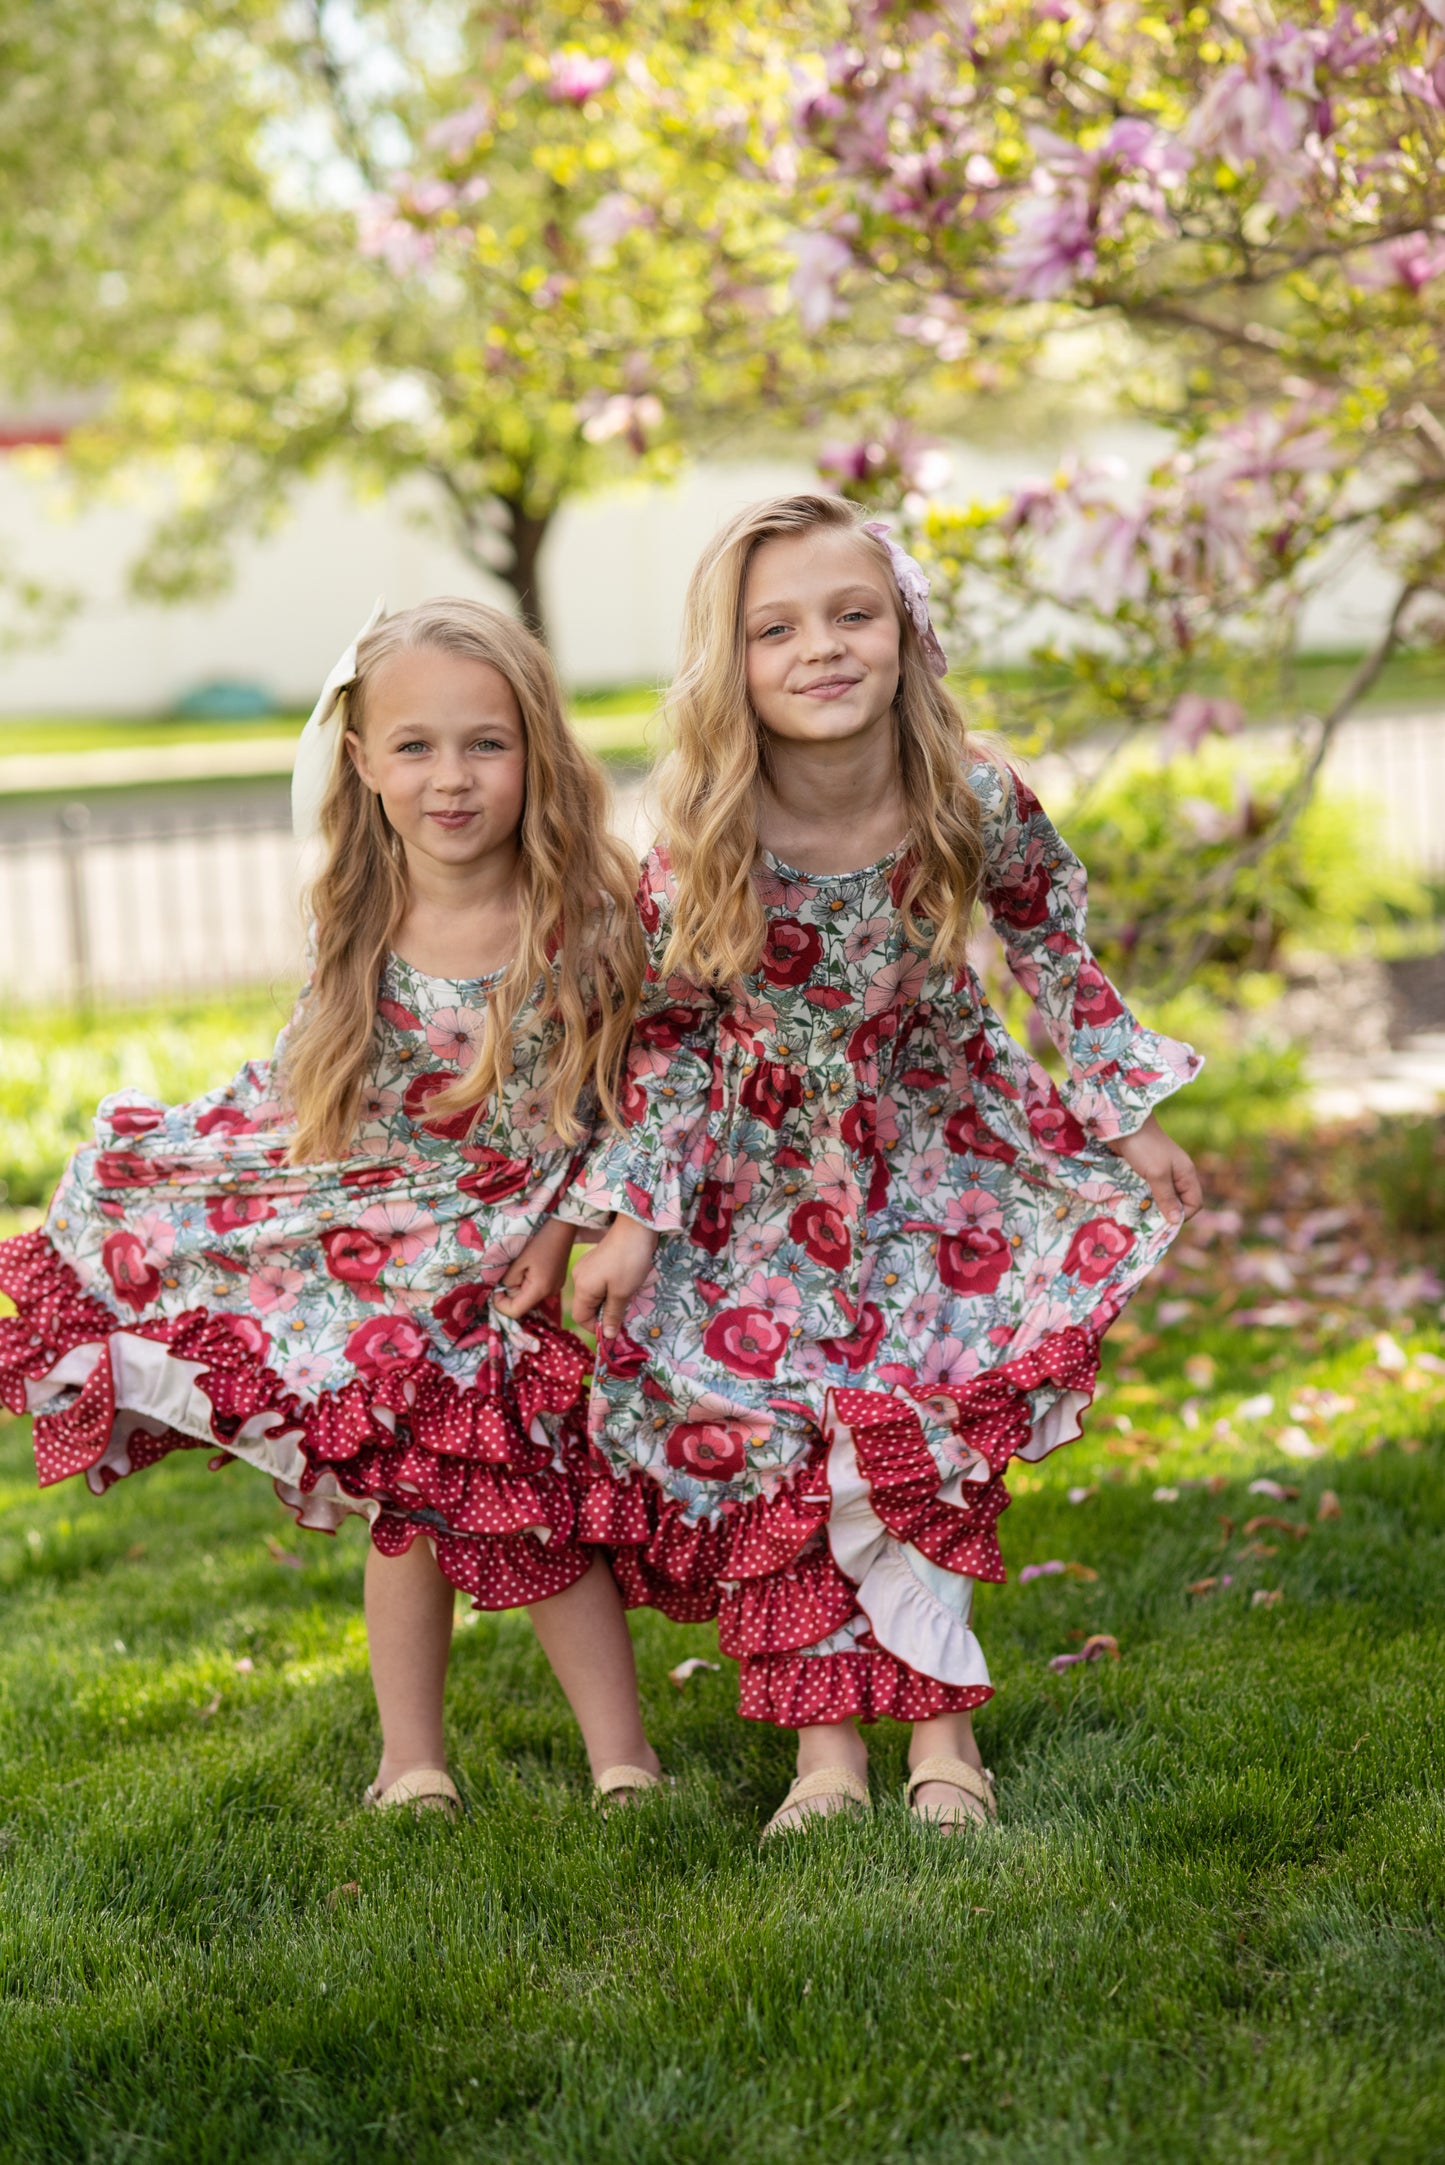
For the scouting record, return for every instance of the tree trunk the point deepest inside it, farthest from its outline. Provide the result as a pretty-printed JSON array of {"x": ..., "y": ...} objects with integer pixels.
[{"x": 526, "y": 532}]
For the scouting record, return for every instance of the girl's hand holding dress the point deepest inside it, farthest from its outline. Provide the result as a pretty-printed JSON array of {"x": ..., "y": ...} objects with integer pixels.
[
  {"x": 610, "y": 1276},
  {"x": 539, "y": 1271},
  {"x": 1169, "y": 1170}
]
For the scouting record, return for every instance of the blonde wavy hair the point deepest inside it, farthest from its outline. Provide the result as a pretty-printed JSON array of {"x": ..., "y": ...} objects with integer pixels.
[
  {"x": 577, "y": 929},
  {"x": 708, "y": 787}
]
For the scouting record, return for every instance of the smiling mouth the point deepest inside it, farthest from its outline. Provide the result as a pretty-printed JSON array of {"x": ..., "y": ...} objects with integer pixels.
[{"x": 829, "y": 687}]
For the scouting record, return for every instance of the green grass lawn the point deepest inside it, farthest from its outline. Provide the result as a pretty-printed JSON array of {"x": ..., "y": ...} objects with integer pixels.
[{"x": 1206, "y": 1928}]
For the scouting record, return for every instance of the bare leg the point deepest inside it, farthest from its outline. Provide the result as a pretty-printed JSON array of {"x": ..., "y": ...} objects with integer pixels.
[
  {"x": 409, "y": 1631},
  {"x": 950, "y": 1734},
  {"x": 584, "y": 1635}
]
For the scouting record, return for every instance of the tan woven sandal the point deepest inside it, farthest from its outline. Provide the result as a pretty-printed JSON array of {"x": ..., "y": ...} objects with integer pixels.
[
  {"x": 623, "y": 1785},
  {"x": 424, "y": 1789},
  {"x": 825, "y": 1782},
  {"x": 958, "y": 1774}
]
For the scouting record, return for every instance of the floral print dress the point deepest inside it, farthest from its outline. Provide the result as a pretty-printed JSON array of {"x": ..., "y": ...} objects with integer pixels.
[
  {"x": 891, "y": 1249},
  {"x": 331, "y": 1324}
]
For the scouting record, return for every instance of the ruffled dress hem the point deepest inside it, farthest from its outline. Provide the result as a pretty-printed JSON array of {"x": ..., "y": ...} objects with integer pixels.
[
  {"x": 868, "y": 1540},
  {"x": 473, "y": 1469}
]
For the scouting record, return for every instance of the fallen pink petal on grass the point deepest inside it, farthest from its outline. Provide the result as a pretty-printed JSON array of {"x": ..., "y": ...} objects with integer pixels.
[
  {"x": 1082, "y": 1495},
  {"x": 281, "y": 1555},
  {"x": 1276, "y": 1491},
  {"x": 1097, "y": 1644},
  {"x": 245, "y": 1666},
  {"x": 1296, "y": 1443},
  {"x": 1166, "y": 1495},
  {"x": 1266, "y": 1597},
  {"x": 213, "y": 1706},
  {"x": 1329, "y": 1506},
  {"x": 687, "y": 1669},
  {"x": 1053, "y": 1569}
]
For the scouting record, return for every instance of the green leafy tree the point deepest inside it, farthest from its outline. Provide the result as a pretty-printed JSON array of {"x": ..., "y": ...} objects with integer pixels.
[{"x": 502, "y": 251}]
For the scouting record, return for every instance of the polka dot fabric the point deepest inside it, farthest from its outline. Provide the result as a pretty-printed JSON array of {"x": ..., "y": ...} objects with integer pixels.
[
  {"x": 891, "y": 1242},
  {"x": 332, "y": 1324}
]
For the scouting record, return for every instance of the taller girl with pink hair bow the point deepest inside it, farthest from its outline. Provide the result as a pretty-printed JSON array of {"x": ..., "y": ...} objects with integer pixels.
[{"x": 866, "y": 1250}]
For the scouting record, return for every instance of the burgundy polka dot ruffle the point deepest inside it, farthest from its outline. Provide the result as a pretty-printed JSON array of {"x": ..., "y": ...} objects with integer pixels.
[{"x": 489, "y": 1473}]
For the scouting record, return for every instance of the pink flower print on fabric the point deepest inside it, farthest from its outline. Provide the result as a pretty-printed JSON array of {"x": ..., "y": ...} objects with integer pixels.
[{"x": 913, "y": 586}]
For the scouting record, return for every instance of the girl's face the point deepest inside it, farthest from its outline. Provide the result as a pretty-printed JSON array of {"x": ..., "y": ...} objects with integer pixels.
[
  {"x": 821, "y": 624},
  {"x": 445, "y": 750}
]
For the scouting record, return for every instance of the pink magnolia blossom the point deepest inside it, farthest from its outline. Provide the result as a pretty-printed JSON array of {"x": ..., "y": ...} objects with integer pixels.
[
  {"x": 627, "y": 414},
  {"x": 1193, "y": 718},
  {"x": 822, "y": 259},
  {"x": 574, "y": 77},
  {"x": 454, "y": 136},
  {"x": 610, "y": 220}
]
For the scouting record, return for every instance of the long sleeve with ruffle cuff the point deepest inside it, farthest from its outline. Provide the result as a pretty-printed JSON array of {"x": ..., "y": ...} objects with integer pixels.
[
  {"x": 1036, "y": 895},
  {"x": 652, "y": 1169}
]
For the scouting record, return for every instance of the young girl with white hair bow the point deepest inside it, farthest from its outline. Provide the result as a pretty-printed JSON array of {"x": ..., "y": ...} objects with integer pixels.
[
  {"x": 866, "y": 1250},
  {"x": 344, "y": 1265}
]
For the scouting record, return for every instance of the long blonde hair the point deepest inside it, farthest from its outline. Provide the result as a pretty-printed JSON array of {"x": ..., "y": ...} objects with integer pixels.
[
  {"x": 708, "y": 788},
  {"x": 576, "y": 920}
]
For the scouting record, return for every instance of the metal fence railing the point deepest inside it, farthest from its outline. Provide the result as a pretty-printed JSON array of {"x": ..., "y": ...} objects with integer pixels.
[
  {"x": 116, "y": 907},
  {"x": 133, "y": 910}
]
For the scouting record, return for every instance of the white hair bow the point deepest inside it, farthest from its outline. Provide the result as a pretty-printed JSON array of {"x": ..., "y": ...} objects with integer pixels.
[{"x": 318, "y": 747}]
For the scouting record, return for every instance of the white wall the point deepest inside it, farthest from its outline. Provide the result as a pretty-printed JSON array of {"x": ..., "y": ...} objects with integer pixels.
[{"x": 614, "y": 573}]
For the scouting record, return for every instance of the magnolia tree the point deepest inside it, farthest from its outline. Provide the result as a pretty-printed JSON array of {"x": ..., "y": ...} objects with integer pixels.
[
  {"x": 493, "y": 252},
  {"x": 1238, "y": 212}
]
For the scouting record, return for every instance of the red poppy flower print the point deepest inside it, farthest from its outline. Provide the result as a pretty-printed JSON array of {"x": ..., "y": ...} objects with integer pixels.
[
  {"x": 822, "y": 1232},
  {"x": 226, "y": 1213},
  {"x": 1095, "y": 1000},
  {"x": 1096, "y": 1249},
  {"x": 899, "y": 878},
  {"x": 865, "y": 1040},
  {"x": 224, "y": 1120},
  {"x": 383, "y": 1343},
  {"x": 966, "y": 1135},
  {"x": 420, "y": 1091},
  {"x": 647, "y": 909},
  {"x": 707, "y": 1449},
  {"x": 494, "y": 1177},
  {"x": 1055, "y": 1127},
  {"x": 465, "y": 1314},
  {"x": 124, "y": 1169},
  {"x": 878, "y": 1185},
  {"x": 1021, "y": 898},
  {"x": 135, "y": 1119},
  {"x": 791, "y": 952},
  {"x": 747, "y": 1340},
  {"x": 860, "y": 1126},
  {"x": 364, "y": 1177},
  {"x": 712, "y": 1219},
  {"x": 828, "y": 997},
  {"x": 353, "y": 1256},
  {"x": 973, "y": 1261},
  {"x": 769, "y": 1092},
  {"x": 622, "y": 1356},
  {"x": 665, "y": 1030},
  {"x": 857, "y": 1351},
  {"x": 130, "y": 1269}
]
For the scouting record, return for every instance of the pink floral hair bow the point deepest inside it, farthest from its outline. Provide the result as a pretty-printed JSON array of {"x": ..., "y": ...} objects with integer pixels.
[{"x": 913, "y": 586}]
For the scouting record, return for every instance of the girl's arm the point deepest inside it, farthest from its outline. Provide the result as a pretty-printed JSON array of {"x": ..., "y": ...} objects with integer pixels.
[
  {"x": 649, "y": 1172},
  {"x": 1036, "y": 895}
]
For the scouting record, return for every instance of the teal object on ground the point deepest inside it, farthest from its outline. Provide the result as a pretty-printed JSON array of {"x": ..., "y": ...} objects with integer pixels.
[{"x": 226, "y": 700}]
